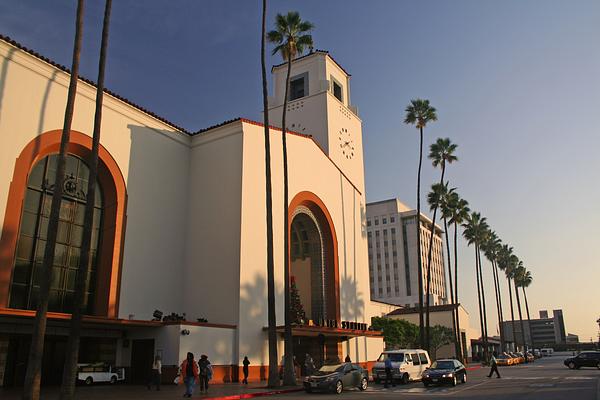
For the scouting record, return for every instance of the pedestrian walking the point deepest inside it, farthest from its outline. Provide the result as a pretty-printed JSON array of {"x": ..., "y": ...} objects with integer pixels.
[
  {"x": 309, "y": 365},
  {"x": 389, "y": 375},
  {"x": 155, "y": 373},
  {"x": 494, "y": 364},
  {"x": 245, "y": 369},
  {"x": 189, "y": 374},
  {"x": 205, "y": 373}
]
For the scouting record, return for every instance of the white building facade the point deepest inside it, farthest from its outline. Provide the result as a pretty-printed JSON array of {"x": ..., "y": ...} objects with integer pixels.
[
  {"x": 181, "y": 225},
  {"x": 393, "y": 263}
]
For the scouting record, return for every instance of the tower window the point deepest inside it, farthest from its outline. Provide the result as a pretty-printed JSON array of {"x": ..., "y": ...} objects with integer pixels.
[
  {"x": 298, "y": 86},
  {"x": 336, "y": 87}
]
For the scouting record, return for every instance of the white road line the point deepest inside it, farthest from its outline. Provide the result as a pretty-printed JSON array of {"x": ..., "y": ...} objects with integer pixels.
[{"x": 467, "y": 388}]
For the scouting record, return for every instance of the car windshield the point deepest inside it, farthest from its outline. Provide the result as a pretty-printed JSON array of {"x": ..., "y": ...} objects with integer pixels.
[
  {"x": 442, "y": 365},
  {"x": 395, "y": 357},
  {"x": 329, "y": 369}
]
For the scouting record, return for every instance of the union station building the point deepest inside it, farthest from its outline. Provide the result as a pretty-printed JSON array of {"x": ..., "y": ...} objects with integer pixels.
[{"x": 180, "y": 226}]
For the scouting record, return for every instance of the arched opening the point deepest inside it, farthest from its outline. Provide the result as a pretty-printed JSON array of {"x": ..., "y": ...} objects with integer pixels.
[
  {"x": 30, "y": 165},
  {"x": 315, "y": 274}
]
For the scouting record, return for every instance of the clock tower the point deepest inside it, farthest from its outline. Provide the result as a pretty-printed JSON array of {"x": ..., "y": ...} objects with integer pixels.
[{"x": 319, "y": 105}]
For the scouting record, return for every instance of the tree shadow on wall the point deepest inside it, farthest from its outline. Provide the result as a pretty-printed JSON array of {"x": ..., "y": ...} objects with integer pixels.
[
  {"x": 254, "y": 317},
  {"x": 352, "y": 305},
  {"x": 3, "y": 75}
]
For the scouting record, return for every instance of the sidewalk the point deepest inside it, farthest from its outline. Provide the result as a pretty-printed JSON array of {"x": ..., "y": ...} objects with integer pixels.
[{"x": 229, "y": 391}]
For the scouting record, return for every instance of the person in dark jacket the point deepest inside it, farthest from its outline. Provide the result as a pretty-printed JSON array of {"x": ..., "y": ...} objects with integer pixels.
[
  {"x": 189, "y": 374},
  {"x": 245, "y": 370},
  {"x": 205, "y": 372},
  {"x": 347, "y": 359}
]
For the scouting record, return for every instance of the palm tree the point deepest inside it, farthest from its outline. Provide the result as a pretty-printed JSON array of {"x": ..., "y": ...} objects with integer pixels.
[
  {"x": 518, "y": 276},
  {"x": 526, "y": 280},
  {"x": 458, "y": 214},
  {"x": 67, "y": 388},
  {"x": 420, "y": 113},
  {"x": 440, "y": 153},
  {"x": 273, "y": 379},
  {"x": 490, "y": 248},
  {"x": 291, "y": 37},
  {"x": 31, "y": 388},
  {"x": 475, "y": 233}
]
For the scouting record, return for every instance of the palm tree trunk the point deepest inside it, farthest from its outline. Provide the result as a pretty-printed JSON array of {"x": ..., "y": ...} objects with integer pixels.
[
  {"x": 67, "y": 389},
  {"x": 456, "y": 337},
  {"x": 498, "y": 303},
  {"x": 528, "y": 318},
  {"x": 289, "y": 377},
  {"x": 512, "y": 313},
  {"x": 484, "y": 309},
  {"x": 520, "y": 317},
  {"x": 479, "y": 302},
  {"x": 419, "y": 262},
  {"x": 273, "y": 379},
  {"x": 31, "y": 389},
  {"x": 429, "y": 254},
  {"x": 496, "y": 292},
  {"x": 460, "y": 354}
]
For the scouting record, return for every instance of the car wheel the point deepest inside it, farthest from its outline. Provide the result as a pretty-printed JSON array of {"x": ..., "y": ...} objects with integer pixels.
[
  {"x": 405, "y": 379},
  {"x": 364, "y": 383},
  {"x": 454, "y": 380},
  {"x": 464, "y": 378},
  {"x": 598, "y": 365},
  {"x": 113, "y": 380},
  {"x": 571, "y": 365},
  {"x": 89, "y": 380},
  {"x": 339, "y": 387}
]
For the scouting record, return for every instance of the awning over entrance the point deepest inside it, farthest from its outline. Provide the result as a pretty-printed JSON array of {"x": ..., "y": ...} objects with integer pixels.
[{"x": 314, "y": 331}]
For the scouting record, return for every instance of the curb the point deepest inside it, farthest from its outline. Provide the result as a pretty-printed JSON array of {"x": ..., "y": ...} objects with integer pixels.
[{"x": 257, "y": 394}]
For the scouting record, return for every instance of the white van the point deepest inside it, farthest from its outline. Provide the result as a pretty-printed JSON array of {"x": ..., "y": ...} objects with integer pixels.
[
  {"x": 547, "y": 351},
  {"x": 407, "y": 364}
]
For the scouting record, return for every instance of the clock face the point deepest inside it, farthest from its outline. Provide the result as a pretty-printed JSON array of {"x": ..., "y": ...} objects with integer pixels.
[{"x": 346, "y": 143}]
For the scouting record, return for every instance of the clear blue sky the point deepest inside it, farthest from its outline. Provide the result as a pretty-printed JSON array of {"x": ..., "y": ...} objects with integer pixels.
[{"x": 516, "y": 84}]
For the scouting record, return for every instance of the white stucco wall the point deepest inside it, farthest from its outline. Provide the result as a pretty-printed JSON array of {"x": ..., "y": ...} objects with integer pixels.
[{"x": 152, "y": 156}]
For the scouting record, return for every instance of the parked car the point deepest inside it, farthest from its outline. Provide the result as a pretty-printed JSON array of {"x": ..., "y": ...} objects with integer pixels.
[
  {"x": 99, "y": 372},
  {"x": 530, "y": 357},
  {"x": 337, "y": 377},
  {"x": 407, "y": 364},
  {"x": 584, "y": 359},
  {"x": 445, "y": 371},
  {"x": 516, "y": 358},
  {"x": 504, "y": 360}
]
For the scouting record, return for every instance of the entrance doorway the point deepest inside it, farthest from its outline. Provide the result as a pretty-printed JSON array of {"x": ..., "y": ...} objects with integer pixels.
[{"x": 142, "y": 356}]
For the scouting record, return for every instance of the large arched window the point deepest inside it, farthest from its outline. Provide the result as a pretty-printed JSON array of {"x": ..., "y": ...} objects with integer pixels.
[{"x": 26, "y": 275}]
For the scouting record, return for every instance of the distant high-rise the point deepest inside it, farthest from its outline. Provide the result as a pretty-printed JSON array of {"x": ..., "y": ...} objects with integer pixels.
[
  {"x": 545, "y": 331},
  {"x": 391, "y": 234}
]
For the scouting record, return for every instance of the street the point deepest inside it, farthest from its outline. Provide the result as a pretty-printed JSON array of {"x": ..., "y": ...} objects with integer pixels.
[{"x": 547, "y": 378}]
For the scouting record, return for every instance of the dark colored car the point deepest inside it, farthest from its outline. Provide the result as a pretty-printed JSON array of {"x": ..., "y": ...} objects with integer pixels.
[
  {"x": 337, "y": 377},
  {"x": 445, "y": 371},
  {"x": 584, "y": 359}
]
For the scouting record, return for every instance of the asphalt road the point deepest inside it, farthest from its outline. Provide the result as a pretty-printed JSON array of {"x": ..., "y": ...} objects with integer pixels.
[{"x": 546, "y": 379}]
